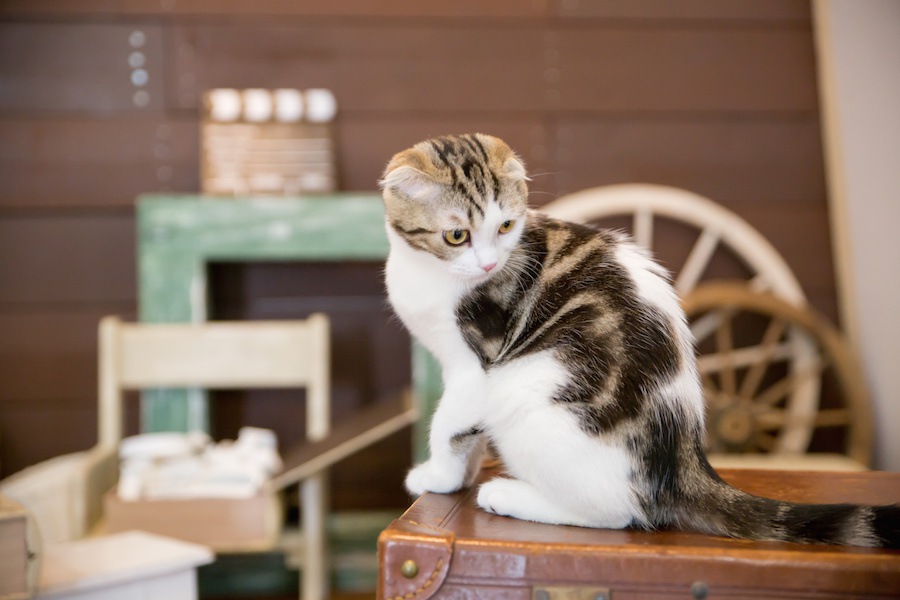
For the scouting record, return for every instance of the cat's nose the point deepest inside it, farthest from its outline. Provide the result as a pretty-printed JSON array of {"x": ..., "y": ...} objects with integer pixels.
[{"x": 487, "y": 268}]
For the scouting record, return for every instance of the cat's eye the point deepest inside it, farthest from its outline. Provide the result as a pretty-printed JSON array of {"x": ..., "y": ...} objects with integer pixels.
[
  {"x": 455, "y": 237},
  {"x": 506, "y": 226}
]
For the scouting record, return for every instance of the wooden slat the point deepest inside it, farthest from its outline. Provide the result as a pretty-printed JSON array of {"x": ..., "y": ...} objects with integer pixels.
[
  {"x": 50, "y": 358},
  {"x": 788, "y": 11},
  {"x": 781, "y": 11},
  {"x": 63, "y": 259},
  {"x": 289, "y": 8},
  {"x": 82, "y": 162},
  {"x": 80, "y": 67},
  {"x": 31, "y": 434},
  {"x": 223, "y": 355},
  {"x": 765, "y": 160},
  {"x": 508, "y": 68},
  {"x": 395, "y": 68},
  {"x": 683, "y": 69}
]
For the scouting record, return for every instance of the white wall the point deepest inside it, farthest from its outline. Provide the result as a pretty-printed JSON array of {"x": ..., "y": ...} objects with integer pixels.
[{"x": 859, "y": 73}]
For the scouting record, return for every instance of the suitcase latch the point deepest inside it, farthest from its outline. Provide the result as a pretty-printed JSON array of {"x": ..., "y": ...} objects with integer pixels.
[{"x": 565, "y": 592}]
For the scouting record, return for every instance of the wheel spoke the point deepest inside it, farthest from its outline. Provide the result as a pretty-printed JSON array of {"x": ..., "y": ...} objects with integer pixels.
[
  {"x": 828, "y": 417},
  {"x": 696, "y": 261},
  {"x": 744, "y": 357},
  {"x": 643, "y": 228},
  {"x": 705, "y": 325},
  {"x": 753, "y": 378},
  {"x": 725, "y": 344},
  {"x": 786, "y": 385}
]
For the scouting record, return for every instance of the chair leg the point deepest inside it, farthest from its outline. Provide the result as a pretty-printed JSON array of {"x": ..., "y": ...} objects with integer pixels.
[{"x": 313, "y": 502}]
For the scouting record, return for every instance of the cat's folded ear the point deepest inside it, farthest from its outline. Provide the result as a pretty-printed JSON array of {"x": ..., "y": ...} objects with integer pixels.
[
  {"x": 514, "y": 170},
  {"x": 403, "y": 178}
]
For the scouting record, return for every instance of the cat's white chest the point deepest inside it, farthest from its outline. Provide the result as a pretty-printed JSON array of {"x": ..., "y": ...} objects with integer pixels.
[{"x": 425, "y": 299}]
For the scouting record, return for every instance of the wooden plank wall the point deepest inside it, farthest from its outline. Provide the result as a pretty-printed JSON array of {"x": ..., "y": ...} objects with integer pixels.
[{"x": 715, "y": 96}]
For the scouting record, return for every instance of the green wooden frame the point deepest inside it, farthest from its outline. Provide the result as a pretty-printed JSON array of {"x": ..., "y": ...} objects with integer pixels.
[{"x": 179, "y": 234}]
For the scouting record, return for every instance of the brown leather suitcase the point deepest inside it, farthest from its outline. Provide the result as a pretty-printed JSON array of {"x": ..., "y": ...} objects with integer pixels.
[{"x": 444, "y": 546}]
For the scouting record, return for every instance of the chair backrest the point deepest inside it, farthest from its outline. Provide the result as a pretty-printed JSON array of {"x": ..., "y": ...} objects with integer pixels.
[{"x": 214, "y": 355}]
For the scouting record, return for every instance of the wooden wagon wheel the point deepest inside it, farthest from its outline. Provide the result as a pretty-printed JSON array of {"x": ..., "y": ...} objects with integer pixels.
[
  {"x": 716, "y": 228},
  {"x": 747, "y": 387}
]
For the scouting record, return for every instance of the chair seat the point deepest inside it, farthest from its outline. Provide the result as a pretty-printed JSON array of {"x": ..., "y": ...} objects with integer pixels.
[{"x": 132, "y": 565}]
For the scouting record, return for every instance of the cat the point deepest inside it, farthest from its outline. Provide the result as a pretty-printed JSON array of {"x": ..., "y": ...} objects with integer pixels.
[{"x": 566, "y": 347}]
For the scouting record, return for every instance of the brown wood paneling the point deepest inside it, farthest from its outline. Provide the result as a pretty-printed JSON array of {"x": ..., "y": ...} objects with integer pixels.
[
  {"x": 367, "y": 141},
  {"x": 476, "y": 66},
  {"x": 80, "y": 67},
  {"x": 492, "y": 68},
  {"x": 308, "y": 8},
  {"x": 632, "y": 68},
  {"x": 48, "y": 381},
  {"x": 30, "y": 434},
  {"x": 81, "y": 162},
  {"x": 50, "y": 356},
  {"x": 767, "y": 10},
  {"x": 66, "y": 259},
  {"x": 764, "y": 161},
  {"x": 59, "y": 274}
]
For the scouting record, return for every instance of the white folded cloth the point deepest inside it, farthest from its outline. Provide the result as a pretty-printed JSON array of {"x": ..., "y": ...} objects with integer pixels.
[{"x": 190, "y": 465}]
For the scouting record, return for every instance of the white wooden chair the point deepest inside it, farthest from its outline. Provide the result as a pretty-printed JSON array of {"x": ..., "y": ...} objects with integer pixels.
[
  {"x": 716, "y": 229},
  {"x": 215, "y": 355},
  {"x": 228, "y": 355}
]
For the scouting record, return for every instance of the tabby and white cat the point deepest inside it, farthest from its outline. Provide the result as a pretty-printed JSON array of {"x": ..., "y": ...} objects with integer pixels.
[{"x": 564, "y": 346}]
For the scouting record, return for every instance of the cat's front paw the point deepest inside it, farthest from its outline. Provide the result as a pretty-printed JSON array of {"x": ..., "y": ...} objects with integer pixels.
[
  {"x": 494, "y": 497},
  {"x": 434, "y": 477}
]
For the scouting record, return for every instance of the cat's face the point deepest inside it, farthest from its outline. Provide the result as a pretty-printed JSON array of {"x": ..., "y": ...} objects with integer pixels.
[{"x": 461, "y": 199}]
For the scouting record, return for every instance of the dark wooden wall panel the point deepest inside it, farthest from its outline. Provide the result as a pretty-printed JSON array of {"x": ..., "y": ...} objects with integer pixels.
[
  {"x": 80, "y": 67},
  {"x": 768, "y": 10},
  {"x": 740, "y": 162},
  {"x": 451, "y": 68},
  {"x": 717, "y": 97},
  {"x": 48, "y": 356},
  {"x": 517, "y": 9},
  {"x": 52, "y": 429},
  {"x": 48, "y": 379},
  {"x": 681, "y": 69},
  {"x": 68, "y": 162},
  {"x": 61, "y": 260},
  {"x": 59, "y": 274}
]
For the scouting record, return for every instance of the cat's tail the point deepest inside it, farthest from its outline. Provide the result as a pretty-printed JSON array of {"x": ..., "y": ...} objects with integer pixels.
[{"x": 712, "y": 506}]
